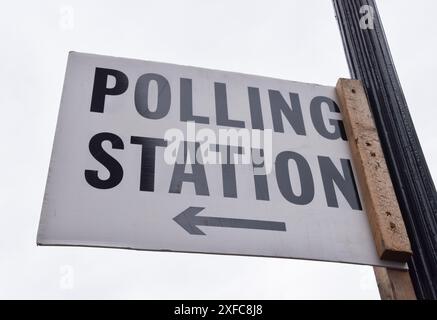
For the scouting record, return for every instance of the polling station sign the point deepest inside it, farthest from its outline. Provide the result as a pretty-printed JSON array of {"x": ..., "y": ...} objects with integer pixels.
[{"x": 156, "y": 156}]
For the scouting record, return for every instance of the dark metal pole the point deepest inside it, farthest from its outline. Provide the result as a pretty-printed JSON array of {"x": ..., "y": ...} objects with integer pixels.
[{"x": 370, "y": 61}]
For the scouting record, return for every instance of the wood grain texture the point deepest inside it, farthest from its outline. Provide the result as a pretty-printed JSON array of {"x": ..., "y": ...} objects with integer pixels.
[
  {"x": 380, "y": 200},
  {"x": 394, "y": 284}
]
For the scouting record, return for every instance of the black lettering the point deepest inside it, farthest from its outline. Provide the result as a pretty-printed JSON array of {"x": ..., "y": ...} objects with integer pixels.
[
  {"x": 142, "y": 96},
  {"x": 319, "y": 124},
  {"x": 148, "y": 151},
  {"x": 292, "y": 112},
  {"x": 198, "y": 176},
  {"x": 187, "y": 103},
  {"x": 100, "y": 89},
  {"x": 345, "y": 182},
  {"x": 305, "y": 176},
  {"x": 113, "y": 166},
  {"x": 221, "y": 107},
  {"x": 255, "y": 109}
]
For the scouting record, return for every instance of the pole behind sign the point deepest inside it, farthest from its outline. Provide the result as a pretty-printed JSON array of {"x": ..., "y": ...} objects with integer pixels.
[{"x": 369, "y": 60}]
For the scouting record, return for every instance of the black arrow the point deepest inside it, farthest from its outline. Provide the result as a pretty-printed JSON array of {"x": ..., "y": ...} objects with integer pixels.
[{"x": 189, "y": 220}]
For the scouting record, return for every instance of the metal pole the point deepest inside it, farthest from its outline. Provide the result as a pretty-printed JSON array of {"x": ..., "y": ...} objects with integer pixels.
[{"x": 370, "y": 61}]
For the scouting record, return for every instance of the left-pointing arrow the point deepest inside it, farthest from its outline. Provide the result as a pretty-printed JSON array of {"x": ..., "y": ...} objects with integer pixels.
[{"x": 189, "y": 220}]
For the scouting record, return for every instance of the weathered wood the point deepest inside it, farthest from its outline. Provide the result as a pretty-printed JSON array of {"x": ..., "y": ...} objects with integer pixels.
[
  {"x": 394, "y": 284},
  {"x": 369, "y": 60},
  {"x": 380, "y": 201}
]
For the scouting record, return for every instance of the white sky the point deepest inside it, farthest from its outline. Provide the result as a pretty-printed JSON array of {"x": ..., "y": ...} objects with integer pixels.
[{"x": 295, "y": 40}]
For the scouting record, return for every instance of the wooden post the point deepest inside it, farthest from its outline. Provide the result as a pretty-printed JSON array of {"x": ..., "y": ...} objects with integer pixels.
[
  {"x": 369, "y": 59},
  {"x": 394, "y": 284},
  {"x": 380, "y": 202}
]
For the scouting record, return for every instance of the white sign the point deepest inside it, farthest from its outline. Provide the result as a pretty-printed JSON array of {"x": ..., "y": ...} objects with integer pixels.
[{"x": 157, "y": 156}]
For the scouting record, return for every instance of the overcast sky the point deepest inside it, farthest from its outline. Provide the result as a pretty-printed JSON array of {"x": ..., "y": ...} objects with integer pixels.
[{"x": 295, "y": 40}]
